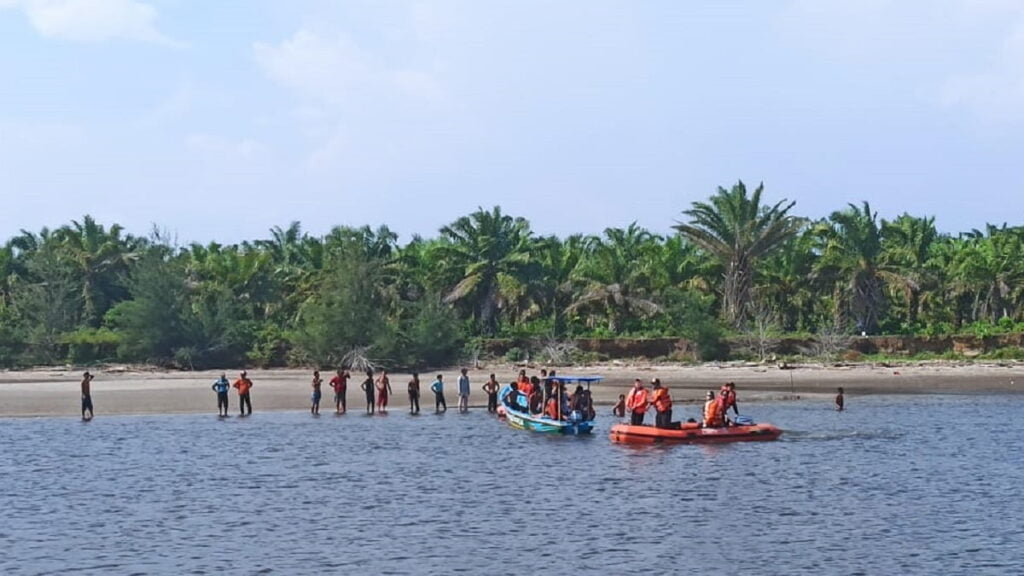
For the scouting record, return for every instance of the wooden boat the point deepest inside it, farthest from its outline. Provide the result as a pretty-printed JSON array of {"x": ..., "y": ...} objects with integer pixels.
[
  {"x": 573, "y": 423},
  {"x": 687, "y": 432}
]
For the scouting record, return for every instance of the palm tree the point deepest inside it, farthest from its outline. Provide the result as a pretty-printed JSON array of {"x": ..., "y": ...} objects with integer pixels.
[
  {"x": 738, "y": 231},
  {"x": 618, "y": 275},
  {"x": 488, "y": 258},
  {"x": 554, "y": 289},
  {"x": 987, "y": 270},
  {"x": 99, "y": 257},
  {"x": 851, "y": 246},
  {"x": 907, "y": 244}
]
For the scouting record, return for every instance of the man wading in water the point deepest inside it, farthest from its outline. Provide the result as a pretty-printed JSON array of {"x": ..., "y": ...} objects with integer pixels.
[
  {"x": 221, "y": 387},
  {"x": 367, "y": 387},
  {"x": 86, "y": 396},
  {"x": 414, "y": 394},
  {"x": 243, "y": 384}
]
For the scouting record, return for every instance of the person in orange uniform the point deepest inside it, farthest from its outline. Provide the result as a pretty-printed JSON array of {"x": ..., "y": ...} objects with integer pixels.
[
  {"x": 662, "y": 402},
  {"x": 727, "y": 398},
  {"x": 551, "y": 409},
  {"x": 636, "y": 403},
  {"x": 712, "y": 412},
  {"x": 243, "y": 384}
]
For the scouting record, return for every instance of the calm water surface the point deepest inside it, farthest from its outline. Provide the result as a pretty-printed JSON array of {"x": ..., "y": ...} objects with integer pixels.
[{"x": 896, "y": 485}]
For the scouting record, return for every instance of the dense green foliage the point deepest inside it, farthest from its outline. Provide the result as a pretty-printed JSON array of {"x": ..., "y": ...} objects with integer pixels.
[{"x": 89, "y": 293}]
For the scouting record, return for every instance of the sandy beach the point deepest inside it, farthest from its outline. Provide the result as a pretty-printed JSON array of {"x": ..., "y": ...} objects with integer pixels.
[{"x": 116, "y": 390}]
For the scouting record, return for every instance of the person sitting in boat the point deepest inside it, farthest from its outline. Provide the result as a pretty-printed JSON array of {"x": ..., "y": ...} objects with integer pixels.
[
  {"x": 713, "y": 416},
  {"x": 588, "y": 406},
  {"x": 512, "y": 398},
  {"x": 727, "y": 398},
  {"x": 662, "y": 402},
  {"x": 636, "y": 403},
  {"x": 536, "y": 400},
  {"x": 551, "y": 409}
]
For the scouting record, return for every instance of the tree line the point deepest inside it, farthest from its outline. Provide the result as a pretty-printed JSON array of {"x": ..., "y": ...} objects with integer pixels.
[{"x": 734, "y": 264}]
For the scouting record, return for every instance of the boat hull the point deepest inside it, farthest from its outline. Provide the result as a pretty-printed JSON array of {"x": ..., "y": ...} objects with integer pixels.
[
  {"x": 691, "y": 432},
  {"x": 543, "y": 425}
]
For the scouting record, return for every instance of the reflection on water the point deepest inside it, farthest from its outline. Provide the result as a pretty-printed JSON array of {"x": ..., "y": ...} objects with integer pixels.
[{"x": 920, "y": 485}]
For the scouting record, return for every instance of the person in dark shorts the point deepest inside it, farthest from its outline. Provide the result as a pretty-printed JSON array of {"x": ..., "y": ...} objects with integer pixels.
[
  {"x": 317, "y": 384},
  {"x": 340, "y": 385},
  {"x": 244, "y": 385},
  {"x": 491, "y": 389},
  {"x": 221, "y": 386},
  {"x": 438, "y": 389},
  {"x": 87, "y": 396},
  {"x": 368, "y": 387},
  {"x": 414, "y": 394}
]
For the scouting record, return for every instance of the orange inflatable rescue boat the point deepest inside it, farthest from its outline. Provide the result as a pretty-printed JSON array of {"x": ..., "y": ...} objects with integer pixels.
[{"x": 693, "y": 432}]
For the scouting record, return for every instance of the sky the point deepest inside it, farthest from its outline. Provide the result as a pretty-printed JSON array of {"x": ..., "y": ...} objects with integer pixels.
[{"x": 215, "y": 121}]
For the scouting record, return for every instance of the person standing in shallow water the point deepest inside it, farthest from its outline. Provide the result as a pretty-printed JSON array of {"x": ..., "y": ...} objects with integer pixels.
[
  {"x": 383, "y": 391},
  {"x": 317, "y": 383},
  {"x": 464, "y": 392},
  {"x": 87, "y": 396},
  {"x": 840, "y": 400},
  {"x": 340, "y": 385},
  {"x": 221, "y": 387},
  {"x": 491, "y": 389},
  {"x": 244, "y": 385},
  {"x": 438, "y": 389},
  {"x": 367, "y": 387},
  {"x": 414, "y": 394}
]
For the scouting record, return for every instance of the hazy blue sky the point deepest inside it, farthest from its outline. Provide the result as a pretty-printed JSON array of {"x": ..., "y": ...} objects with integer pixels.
[{"x": 219, "y": 119}]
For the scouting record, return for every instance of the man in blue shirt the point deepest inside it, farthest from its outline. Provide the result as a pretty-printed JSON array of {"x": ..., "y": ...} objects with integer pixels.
[
  {"x": 438, "y": 389},
  {"x": 221, "y": 387}
]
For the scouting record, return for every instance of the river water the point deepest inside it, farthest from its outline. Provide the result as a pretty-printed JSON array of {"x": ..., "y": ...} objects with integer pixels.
[{"x": 895, "y": 485}]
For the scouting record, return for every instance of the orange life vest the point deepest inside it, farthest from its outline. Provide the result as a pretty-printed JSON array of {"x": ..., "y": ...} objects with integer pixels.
[
  {"x": 551, "y": 410},
  {"x": 712, "y": 413},
  {"x": 661, "y": 399},
  {"x": 637, "y": 400}
]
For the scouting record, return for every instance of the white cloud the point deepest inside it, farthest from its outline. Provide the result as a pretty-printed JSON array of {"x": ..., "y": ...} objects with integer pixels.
[
  {"x": 244, "y": 149},
  {"x": 334, "y": 79},
  {"x": 92, "y": 20},
  {"x": 996, "y": 92}
]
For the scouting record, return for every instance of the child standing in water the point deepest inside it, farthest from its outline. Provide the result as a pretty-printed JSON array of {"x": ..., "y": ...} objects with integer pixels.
[
  {"x": 414, "y": 394},
  {"x": 315, "y": 408},
  {"x": 383, "y": 391},
  {"x": 620, "y": 407},
  {"x": 438, "y": 389},
  {"x": 491, "y": 389},
  {"x": 464, "y": 391},
  {"x": 840, "y": 401},
  {"x": 367, "y": 387},
  {"x": 340, "y": 385}
]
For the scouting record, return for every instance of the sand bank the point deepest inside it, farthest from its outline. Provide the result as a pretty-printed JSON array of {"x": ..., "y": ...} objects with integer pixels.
[{"x": 54, "y": 392}]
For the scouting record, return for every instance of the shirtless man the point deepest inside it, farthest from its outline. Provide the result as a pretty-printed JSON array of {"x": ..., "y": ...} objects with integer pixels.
[
  {"x": 317, "y": 382},
  {"x": 86, "y": 396}
]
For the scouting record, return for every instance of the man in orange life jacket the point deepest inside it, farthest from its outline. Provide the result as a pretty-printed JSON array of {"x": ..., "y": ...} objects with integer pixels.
[
  {"x": 636, "y": 403},
  {"x": 712, "y": 412},
  {"x": 662, "y": 403}
]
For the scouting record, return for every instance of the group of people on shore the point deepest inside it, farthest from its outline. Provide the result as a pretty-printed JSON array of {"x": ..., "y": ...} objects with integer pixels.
[
  {"x": 640, "y": 400},
  {"x": 539, "y": 395}
]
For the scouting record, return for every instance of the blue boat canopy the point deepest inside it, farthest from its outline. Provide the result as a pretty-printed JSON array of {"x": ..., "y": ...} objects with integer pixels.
[{"x": 571, "y": 379}]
